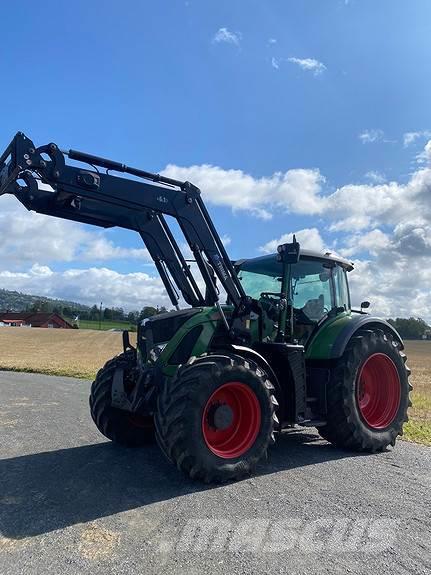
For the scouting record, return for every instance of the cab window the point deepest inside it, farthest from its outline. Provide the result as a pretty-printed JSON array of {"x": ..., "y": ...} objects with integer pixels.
[
  {"x": 342, "y": 298},
  {"x": 311, "y": 286}
]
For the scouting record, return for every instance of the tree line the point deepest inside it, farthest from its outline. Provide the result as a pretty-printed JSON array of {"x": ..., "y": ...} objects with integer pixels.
[
  {"x": 95, "y": 313},
  {"x": 411, "y": 328}
]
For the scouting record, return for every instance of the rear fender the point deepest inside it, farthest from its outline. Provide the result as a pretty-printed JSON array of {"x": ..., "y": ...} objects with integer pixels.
[{"x": 331, "y": 340}]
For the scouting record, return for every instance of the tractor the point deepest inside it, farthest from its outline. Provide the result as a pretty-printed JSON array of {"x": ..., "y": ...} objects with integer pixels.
[{"x": 271, "y": 342}]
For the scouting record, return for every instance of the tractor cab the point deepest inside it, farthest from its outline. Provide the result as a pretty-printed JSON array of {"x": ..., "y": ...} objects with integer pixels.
[{"x": 317, "y": 289}]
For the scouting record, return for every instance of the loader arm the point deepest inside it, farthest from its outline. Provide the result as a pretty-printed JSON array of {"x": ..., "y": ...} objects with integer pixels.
[{"x": 106, "y": 200}]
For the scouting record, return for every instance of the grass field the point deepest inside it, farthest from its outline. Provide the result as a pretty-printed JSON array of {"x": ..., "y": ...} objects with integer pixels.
[
  {"x": 80, "y": 353},
  {"x": 419, "y": 360},
  {"x": 104, "y": 325}
]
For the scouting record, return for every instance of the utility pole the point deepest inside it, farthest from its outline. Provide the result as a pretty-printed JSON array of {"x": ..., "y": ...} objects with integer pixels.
[{"x": 100, "y": 316}]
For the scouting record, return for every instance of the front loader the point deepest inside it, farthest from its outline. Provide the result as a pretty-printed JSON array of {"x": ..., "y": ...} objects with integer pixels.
[{"x": 215, "y": 381}]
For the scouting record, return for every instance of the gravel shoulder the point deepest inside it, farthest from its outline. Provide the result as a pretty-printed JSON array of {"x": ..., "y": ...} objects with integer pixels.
[{"x": 72, "y": 502}]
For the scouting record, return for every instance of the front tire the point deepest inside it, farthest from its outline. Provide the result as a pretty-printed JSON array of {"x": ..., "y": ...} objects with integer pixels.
[
  {"x": 368, "y": 394},
  {"x": 128, "y": 429},
  {"x": 215, "y": 419}
]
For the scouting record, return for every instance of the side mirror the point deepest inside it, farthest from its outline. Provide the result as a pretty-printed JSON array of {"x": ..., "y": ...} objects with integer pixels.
[{"x": 365, "y": 305}]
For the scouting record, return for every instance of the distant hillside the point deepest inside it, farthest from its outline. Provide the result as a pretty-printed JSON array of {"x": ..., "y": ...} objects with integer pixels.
[{"x": 17, "y": 301}]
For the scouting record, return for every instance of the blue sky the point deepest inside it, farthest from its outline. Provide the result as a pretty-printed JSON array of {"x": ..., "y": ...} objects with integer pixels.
[{"x": 320, "y": 106}]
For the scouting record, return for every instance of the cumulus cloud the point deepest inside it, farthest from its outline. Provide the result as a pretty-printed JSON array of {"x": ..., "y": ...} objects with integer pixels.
[
  {"x": 309, "y": 238},
  {"x": 371, "y": 136},
  {"x": 301, "y": 191},
  {"x": 295, "y": 190},
  {"x": 128, "y": 290},
  {"x": 372, "y": 242},
  {"x": 223, "y": 35},
  {"x": 309, "y": 65},
  {"x": 396, "y": 285},
  {"x": 99, "y": 248},
  {"x": 424, "y": 157},
  {"x": 28, "y": 237}
]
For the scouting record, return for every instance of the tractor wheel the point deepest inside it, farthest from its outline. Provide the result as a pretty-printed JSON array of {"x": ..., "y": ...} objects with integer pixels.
[
  {"x": 368, "y": 394},
  {"x": 215, "y": 418},
  {"x": 128, "y": 429}
]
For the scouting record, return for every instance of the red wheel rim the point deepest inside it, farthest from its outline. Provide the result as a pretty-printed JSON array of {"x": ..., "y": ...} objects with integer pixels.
[
  {"x": 231, "y": 420},
  {"x": 378, "y": 391}
]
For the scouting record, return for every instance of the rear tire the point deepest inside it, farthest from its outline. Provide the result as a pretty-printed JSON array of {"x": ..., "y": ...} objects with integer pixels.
[
  {"x": 368, "y": 394},
  {"x": 215, "y": 418},
  {"x": 131, "y": 430}
]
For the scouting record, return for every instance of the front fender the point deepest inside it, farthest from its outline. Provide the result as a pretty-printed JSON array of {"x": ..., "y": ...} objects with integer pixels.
[{"x": 333, "y": 336}]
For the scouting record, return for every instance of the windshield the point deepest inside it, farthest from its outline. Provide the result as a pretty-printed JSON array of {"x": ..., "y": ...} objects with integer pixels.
[{"x": 255, "y": 283}]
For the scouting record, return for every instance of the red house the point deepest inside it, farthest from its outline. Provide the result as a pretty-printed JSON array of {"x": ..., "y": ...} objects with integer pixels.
[{"x": 34, "y": 319}]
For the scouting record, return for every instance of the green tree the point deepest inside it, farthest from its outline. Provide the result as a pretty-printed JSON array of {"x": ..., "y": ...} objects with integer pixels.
[
  {"x": 107, "y": 313},
  {"x": 147, "y": 311},
  {"x": 133, "y": 316},
  {"x": 410, "y": 328},
  {"x": 94, "y": 313}
]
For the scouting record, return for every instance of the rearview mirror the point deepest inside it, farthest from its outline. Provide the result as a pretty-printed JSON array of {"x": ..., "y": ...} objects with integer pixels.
[
  {"x": 365, "y": 305},
  {"x": 324, "y": 276}
]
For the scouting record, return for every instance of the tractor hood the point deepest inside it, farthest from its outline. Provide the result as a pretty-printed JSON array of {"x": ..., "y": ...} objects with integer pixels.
[{"x": 160, "y": 328}]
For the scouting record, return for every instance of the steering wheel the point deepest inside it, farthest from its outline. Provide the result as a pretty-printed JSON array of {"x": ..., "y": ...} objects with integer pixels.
[{"x": 270, "y": 304}]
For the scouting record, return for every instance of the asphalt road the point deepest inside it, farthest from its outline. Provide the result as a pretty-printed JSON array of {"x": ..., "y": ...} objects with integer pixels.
[{"x": 72, "y": 502}]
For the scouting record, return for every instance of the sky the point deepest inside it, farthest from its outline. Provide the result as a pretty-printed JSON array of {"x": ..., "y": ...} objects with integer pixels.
[{"x": 293, "y": 116}]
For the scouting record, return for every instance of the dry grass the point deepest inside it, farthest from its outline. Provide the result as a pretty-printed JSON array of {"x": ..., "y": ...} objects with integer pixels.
[
  {"x": 57, "y": 351},
  {"x": 80, "y": 353}
]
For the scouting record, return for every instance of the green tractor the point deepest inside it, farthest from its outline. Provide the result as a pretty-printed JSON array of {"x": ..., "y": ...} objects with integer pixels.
[{"x": 271, "y": 343}]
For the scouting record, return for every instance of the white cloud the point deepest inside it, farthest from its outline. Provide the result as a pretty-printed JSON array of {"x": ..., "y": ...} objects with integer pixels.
[
  {"x": 309, "y": 238},
  {"x": 99, "y": 248},
  {"x": 411, "y": 137},
  {"x": 372, "y": 242},
  {"x": 27, "y": 237},
  {"x": 375, "y": 177},
  {"x": 272, "y": 40},
  {"x": 275, "y": 63},
  {"x": 89, "y": 286},
  {"x": 371, "y": 136},
  {"x": 351, "y": 223},
  {"x": 295, "y": 190},
  {"x": 300, "y": 191},
  {"x": 424, "y": 157},
  {"x": 223, "y": 35},
  {"x": 396, "y": 285},
  {"x": 309, "y": 64}
]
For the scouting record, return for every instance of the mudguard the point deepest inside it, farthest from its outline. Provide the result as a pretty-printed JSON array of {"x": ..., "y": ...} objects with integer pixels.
[{"x": 333, "y": 336}]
